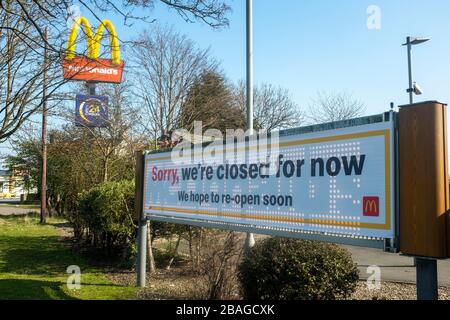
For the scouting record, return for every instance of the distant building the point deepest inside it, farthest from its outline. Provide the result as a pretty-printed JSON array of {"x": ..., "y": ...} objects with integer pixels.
[{"x": 12, "y": 183}]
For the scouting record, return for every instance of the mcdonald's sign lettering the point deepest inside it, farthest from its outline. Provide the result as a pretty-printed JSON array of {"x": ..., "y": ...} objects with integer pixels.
[
  {"x": 91, "y": 67},
  {"x": 371, "y": 206}
]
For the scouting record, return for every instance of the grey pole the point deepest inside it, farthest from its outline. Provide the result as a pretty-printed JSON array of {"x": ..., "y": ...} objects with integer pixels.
[
  {"x": 91, "y": 88},
  {"x": 250, "y": 239},
  {"x": 427, "y": 279},
  {"x": 410, "y": 88},
  {"x": 142, "y": 253},
  {"x": 250, "y": 66}
]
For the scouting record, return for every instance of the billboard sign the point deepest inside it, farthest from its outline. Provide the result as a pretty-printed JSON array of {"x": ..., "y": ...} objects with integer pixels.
[
  {"x": 91, "y": 111},
  {"x": 93, "y": 68},
  {"x": 337, "y": 182}
]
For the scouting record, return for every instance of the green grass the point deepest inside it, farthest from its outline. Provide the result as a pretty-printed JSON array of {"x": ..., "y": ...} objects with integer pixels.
[{"x": 33, "y": 264}]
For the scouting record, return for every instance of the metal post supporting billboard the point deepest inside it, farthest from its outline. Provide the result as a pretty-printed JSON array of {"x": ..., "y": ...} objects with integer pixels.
[
  {"x": 427, "y": 279},
  {"x": 141, "y": 262},
  {"x": 142, "y": 254}
]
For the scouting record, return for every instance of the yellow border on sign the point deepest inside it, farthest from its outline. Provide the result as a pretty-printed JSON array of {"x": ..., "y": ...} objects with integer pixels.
[{"x": 365, "y": 225}]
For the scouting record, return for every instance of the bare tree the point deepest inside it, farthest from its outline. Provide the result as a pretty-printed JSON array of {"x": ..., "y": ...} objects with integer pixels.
[
  {"x": 211, "y": 12},
  {"x": 165, "y": 67},
  {"x": 330, "y": 107},
  {"x": 21, "y": 68},
  {"x": 274, "y": 108},
  {"x": 22, "y": 41},
  {"x": 54, "y": 13}
]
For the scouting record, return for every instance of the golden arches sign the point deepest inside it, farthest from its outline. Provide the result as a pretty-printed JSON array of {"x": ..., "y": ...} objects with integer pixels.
[
  {"x": 371, "y": 206},
  {"x": 93, "y": 41},
  {"x": 93, "y": 68}
]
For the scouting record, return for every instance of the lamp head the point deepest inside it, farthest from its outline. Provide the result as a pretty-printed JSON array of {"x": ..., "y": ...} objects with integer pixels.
[{"x": 415, "y": 41}]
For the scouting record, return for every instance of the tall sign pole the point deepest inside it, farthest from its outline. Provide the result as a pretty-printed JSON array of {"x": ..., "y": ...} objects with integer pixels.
[
  {"x": 250, "y": 240},
  {"x": 250, "y": 66},
  {"x": 44, "y": 135}
]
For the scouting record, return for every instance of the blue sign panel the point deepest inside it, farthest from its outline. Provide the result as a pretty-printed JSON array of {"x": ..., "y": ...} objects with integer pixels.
[{"x": 91, "y": 111}]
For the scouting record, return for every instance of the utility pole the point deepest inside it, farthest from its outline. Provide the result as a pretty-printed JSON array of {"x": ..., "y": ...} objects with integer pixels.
[
  {"x": 250, "y": 240},
  {"x": 44, "y": 135}
]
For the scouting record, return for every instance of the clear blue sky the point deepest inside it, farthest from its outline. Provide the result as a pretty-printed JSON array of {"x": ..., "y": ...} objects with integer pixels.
[{"x": 312, "y": 45}]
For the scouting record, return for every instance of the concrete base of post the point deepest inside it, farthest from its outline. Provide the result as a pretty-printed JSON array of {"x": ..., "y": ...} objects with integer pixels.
[{"x": 427, "y": 279}]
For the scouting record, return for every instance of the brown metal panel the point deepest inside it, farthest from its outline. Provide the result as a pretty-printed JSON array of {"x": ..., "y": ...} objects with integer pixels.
[
  {"x": 447, "y": 192},
  {"x": 423, "y": 180},
  {"x": 139, "y": 183}
]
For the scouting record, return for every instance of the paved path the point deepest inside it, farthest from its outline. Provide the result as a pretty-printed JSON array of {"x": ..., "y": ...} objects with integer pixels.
[
  {"x": 394, "y": 267},
  {"x": 13, "y": 211}
]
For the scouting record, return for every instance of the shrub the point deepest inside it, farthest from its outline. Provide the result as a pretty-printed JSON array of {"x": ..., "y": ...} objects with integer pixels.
[
  {"x": 291, "y": 269},
  {"x": 217, "y": 271},
  {"x": 106, "y": 211}
]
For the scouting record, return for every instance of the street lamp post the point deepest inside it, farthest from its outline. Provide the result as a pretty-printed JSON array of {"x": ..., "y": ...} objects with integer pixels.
[
  {"x": 412, "y": 88},
  {"x": 250, "y": 66},
  {"x": 250, "y": 240},
  {"x": 410, "y": 83}
]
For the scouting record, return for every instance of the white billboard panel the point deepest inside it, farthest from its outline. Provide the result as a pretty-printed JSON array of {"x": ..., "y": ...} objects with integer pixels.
[{"x": 334, "y": 182}]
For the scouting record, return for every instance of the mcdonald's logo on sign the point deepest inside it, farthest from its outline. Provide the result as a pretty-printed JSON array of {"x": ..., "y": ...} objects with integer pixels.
[
  {"x": 371, "y": 206},
  {"x": 93, "y": 68}
]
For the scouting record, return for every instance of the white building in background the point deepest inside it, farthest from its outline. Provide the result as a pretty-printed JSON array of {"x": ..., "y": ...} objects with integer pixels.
[{"x": 12, "y": 183}]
